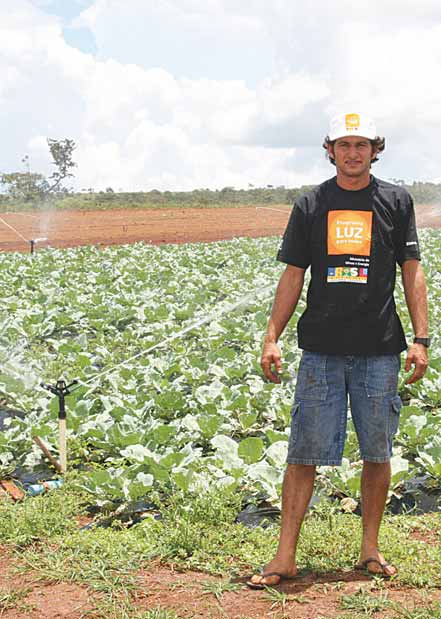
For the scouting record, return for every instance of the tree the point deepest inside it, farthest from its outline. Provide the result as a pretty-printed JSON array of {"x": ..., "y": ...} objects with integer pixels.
[
  {"x": 35, "y": 187},
  {"x": 61, "y": 151},
  {"x": 25, "y": 186}
]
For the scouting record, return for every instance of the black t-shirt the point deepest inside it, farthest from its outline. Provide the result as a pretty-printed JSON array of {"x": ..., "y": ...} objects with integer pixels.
[{"x": 352, "y": 241}]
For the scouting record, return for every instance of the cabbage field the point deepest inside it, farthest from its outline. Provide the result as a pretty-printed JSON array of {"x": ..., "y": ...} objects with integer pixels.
[{"x": 165, "y": 343}]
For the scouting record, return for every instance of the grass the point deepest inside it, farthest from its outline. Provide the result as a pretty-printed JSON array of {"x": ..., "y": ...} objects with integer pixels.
[
  {"x": 280, "y": 599},
  {"x": 218, "y": 588},
  {"x": 42, "y": 517},
  {"x": 362, "y": 604},
  {"x": 431, "y": 610},
  {"x": 160, "y": 613},
  {"x": 200, "y": 533},
  {"x": 14, "y": 599},
  {"x": 124, "y": 609},
  {"x": 366, "y": 603}
]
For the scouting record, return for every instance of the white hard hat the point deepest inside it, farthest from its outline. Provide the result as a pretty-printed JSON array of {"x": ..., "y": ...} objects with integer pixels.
[{"x": 352, "y": 124}]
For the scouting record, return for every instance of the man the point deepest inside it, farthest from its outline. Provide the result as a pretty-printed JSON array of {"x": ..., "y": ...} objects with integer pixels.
[{"x": 351, "y": 231}]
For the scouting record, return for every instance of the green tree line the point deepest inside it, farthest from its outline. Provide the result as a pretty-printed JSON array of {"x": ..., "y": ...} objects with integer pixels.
[
  {"x": 29, "y": 190},
  {"x": 422, "y": 193}
]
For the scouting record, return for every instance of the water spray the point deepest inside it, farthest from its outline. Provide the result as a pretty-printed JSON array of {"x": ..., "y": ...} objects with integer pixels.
[
  {"x": 19, "y": 234},
  {"x": 230, "y": 307},
  {"x": 61, "y": 390},
  {"x": 32, "y": 242},
  {"x": 268, "y": 208}
]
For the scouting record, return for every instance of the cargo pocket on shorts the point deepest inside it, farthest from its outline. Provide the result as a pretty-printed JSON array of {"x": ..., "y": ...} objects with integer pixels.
[
  {"x": 394, "y": 416},
  {"x": 294, "y": 430},
  {"x": 382, "y": 375},
  {"x": 311, "y": 379}
]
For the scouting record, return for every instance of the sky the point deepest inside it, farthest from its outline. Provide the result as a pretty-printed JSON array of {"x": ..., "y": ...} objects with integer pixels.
[{"x": 190, "y": 94}]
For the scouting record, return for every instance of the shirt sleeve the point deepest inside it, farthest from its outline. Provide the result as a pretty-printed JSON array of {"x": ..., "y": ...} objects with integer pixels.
[
  {"x": 295, "y": 246},
  {"x": 407, "y": 241}
]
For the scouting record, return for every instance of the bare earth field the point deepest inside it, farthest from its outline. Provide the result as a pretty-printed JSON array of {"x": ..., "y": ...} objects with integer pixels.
[{"x": 156, "y": 226}]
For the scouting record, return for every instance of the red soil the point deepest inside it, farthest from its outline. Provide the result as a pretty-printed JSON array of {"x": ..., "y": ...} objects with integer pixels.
[
  {"x": 156, "y": 226},
  {"x": 187, "y": 593}
]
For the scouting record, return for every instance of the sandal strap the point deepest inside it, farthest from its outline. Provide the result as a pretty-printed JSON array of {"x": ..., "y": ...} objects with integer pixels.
[
  {"x": 265, "y": 574},
  {"x": 366, "y": 562}
]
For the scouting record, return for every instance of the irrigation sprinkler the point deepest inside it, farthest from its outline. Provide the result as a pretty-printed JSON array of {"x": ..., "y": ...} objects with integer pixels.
[
  {"x": 61, "y": 390},
  {"x": 33, "y": 242}
]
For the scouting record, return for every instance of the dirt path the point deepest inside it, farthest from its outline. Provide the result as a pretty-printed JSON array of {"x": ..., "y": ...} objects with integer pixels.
[
  {"x": 156, "y": 226},
  {"x": 195, "y": 595}
]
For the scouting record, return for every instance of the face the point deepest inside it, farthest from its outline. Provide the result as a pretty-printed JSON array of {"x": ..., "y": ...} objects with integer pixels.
[{"x": 353, "y": 155}]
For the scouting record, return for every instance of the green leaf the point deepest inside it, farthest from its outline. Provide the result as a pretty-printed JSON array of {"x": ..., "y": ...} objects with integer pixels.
[
  {"x": 163, "y": 434},
  {"x": 251, "y": 449},
  {"x": 209, "y": 425},
  {"x": 247, "y": 420},
  {"x": 183, "y": 479},
  {"x": 277, "y": 453}
]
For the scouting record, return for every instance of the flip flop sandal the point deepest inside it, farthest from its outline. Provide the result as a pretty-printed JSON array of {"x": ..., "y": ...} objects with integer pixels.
[
  {"x": 363, "y": 566},
  {"x": 258, "y": 585}
]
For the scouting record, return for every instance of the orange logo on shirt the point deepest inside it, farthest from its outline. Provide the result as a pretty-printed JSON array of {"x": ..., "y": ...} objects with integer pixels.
[
  {"x": 352, "y": 121},
  {"x": 349, "y": 232}
]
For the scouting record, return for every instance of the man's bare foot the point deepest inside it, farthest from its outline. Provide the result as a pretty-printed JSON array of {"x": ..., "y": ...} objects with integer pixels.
[
  {"x": 375, "y": 563},
  {"x": 279, "y": 571}
]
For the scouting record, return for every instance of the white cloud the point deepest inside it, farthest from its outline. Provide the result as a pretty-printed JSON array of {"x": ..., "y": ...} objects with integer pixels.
[
  {"x": 190, "y": 39},
  {"x": 194, "y": 93}
]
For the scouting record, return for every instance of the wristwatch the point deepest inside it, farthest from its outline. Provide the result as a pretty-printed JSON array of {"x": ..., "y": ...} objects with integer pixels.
[{"x": 425, "y": 341}]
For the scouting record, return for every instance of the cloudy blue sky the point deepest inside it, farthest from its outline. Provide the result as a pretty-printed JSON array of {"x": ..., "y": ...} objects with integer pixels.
[{"x": 183, "y": 94}]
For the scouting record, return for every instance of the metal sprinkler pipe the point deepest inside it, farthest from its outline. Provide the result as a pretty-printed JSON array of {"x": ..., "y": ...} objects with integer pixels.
[
  {"x": 32, "y": 242},
  {"x": 61, "y": 390}
]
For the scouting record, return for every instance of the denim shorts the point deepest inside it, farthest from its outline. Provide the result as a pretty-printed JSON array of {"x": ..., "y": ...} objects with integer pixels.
[{"x": 319, "y": 415}]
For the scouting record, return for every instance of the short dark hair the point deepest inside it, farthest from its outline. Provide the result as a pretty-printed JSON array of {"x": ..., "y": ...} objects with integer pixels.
[{"x": 377, "y": 143}]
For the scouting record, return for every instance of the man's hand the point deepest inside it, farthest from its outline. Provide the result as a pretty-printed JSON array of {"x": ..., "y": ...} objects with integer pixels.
[
  {"x": 271, "y": 356},
  {"x": 417, "y": 356}
]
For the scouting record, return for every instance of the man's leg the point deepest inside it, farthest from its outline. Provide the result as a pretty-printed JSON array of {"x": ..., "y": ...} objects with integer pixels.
[
  {"x": 298, "y": 485},
  {"x": 375, "y": 481},
  {"x": 375, "y": 407},
  {"x": 318, "y": 427}
]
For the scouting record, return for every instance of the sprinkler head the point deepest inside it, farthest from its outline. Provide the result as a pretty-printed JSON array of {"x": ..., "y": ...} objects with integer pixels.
[
  {"x": 33, "y": 242},
  {"x": 60, "y": 388}
]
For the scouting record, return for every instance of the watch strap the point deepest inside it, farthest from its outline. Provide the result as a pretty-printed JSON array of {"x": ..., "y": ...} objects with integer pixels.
[{"x": 425, "y": 341}]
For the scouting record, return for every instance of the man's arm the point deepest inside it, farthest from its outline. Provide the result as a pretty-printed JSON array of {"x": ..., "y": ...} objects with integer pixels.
[
  {"x": 415, "y": 292},
  {"x": 288, "y": 293}
]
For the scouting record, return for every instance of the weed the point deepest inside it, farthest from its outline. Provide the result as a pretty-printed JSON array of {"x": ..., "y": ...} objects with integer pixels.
[
  {"x": 430, "y": 611},
  {"x": 13, "y": 599},
  {"x": 180, "y": 585},
  {"x": 364, "y": 603},
  {"x": 280, "y": 598},
  {"x": 325, "y": 587},
  {"x": 40, "y": 518},
  {"x": 377, "y": 583},
  {"x": 159, "y": 613},
  {"x": 104, "y": 560},
  {"x": 218, "y": 587}
]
